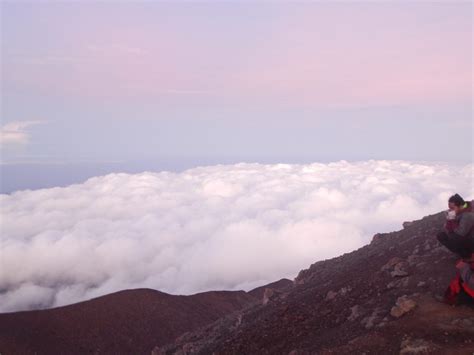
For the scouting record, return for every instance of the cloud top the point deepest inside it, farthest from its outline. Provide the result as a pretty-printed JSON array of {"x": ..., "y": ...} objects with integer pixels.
[{"x": 213, "y": 227}]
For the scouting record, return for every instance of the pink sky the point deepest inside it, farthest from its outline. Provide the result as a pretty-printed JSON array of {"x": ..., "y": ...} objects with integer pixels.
[
  {"x": 320, "y": 80},
  {"x": 317, "y": 54}
]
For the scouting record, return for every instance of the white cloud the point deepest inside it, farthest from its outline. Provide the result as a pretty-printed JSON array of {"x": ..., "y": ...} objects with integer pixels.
[
  {"x": 214, "y": 227},
  {"x": 16, "y": 132}
]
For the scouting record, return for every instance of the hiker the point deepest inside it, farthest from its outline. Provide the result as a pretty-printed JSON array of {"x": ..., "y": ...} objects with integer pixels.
[
  {"x": 461, "y": 287},
  {"x": 458, "y": 233}
]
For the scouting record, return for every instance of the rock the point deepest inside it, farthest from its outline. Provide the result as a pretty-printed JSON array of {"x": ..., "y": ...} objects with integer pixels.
[
  {"x": 369, "y": 321},
  {"x": 355, "y": 313},
  {"x": 342, "y": 291},
  {"x": 401, "y": 282},
  {"x": 331, "y": 295},
  {"x": 269, "y": 294},
  {"x": 402, "y": 305},
  {"x": 439, "y": 298},
  {"x": 399, "y": 270},
  {"x": 407, "y": 224},
  {"x": 391, "y": 263},
  {"x": 398, "y": 265},
  {"x": 239, "y": 320},
  {"x": 415, "y": 346},
  {"x": 188, "y": 348},
  {"x": 399, "y": 273},
  {"x": 421, "y": 284},
  {"x": 392, "y": 284},
  {"x": 467, "y": 323},
  {"x": 325, "y": 311},
  {"x": 377, "y": 237},
  {"x": 299, "y": 352},
  {"x": 412, "y": 259}
]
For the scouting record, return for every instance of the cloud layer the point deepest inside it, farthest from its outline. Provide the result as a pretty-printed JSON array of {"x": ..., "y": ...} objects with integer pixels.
[{"x": 214, "y": 227}]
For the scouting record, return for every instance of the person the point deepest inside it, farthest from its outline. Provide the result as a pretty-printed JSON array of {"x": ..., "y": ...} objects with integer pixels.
[
  {"x": 461, "y": 287},
  {"x": 458, "y": 230}
]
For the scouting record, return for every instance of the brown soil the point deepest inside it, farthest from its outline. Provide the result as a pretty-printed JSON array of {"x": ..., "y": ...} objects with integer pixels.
[{"x": 124, "y": 322}]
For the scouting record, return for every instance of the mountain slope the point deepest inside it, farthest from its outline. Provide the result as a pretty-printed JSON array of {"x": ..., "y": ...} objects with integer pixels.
[
  {"x": 124, "y": 322},
  {"x": 381, "y": 298}
]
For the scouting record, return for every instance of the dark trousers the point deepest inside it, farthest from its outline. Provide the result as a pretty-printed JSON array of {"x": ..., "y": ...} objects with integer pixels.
[{"x": 463, "y": 246}]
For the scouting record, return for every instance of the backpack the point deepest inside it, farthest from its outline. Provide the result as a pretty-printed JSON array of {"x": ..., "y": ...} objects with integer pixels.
[{"x": 458, "y": 291}]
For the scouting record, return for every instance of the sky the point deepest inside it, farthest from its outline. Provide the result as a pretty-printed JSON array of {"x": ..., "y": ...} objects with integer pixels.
[{"x": 92, "y": 87}]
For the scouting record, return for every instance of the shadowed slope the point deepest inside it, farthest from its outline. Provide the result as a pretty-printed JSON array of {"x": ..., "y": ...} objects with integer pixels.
[{"x": 124, "y": 322}]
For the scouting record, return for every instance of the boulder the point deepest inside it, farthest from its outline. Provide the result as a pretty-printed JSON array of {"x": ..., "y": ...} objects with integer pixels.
[{"x": 402, "y": 305}]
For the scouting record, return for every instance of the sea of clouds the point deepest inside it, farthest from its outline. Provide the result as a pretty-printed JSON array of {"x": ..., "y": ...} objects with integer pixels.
[{"x": 214, "y": 227}]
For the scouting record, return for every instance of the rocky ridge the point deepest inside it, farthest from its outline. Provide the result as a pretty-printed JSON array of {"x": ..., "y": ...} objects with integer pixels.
[{"x": 381, "y": 298}]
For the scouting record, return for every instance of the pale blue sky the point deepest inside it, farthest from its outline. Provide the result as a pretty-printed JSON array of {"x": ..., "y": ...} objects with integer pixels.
[{"x": 154, "y": 86}]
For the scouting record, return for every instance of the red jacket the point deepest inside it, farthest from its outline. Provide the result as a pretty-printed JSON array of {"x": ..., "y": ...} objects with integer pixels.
[{"x": 464, "y": 280}]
